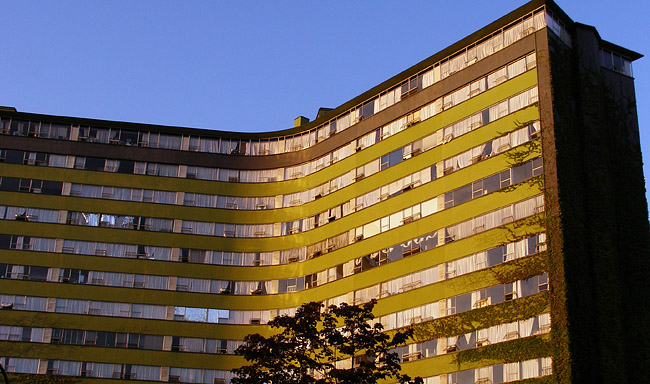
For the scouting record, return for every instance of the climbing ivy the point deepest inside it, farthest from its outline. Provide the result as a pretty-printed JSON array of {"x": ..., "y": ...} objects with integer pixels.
[
  {"x": 515, "y": 350},
  {"x": 41, "y": 379},
  {"x": 470, "y": 321}
]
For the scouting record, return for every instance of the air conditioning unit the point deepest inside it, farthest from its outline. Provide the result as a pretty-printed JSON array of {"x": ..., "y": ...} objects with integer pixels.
[
  {"x": 408, "y": 187},
  {"x": 544, "y": 328},
  {"x": 512, "y": 335},
  {"x": 86, "y": 373},
  {"x": 451, "y": 348},
  {"x": 410, "y": 251},
  {"x": 507, "y": 219},
  {"x": 174, "y": 379},
  {"x": 409, "y": 93},
  {"x": 501, "y": 79},
  {"x": 257, "y": 291},
  {"x": 415, "y": 320},
  {"x": 482, "y": 303},
  {"x": 527, "y": 31},
  {"x": 411, "y": 356},
  {"x": 255, "y": 321}
]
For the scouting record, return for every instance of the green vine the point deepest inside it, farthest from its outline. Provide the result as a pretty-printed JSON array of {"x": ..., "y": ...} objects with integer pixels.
[
  {"x": 526, "y": 227},
  {"x": 540, "y": 380},
  {"x": 466, "y": 322},
  {"x": 515, "y": 350},
  {"x": 520, "y": 269}
]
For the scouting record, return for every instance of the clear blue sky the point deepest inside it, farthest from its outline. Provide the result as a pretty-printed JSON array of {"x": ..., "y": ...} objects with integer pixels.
[{"x": 249, "y": 65}]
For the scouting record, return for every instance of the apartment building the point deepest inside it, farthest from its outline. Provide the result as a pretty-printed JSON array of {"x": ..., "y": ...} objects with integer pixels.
[{"x": 491, "y": 196}]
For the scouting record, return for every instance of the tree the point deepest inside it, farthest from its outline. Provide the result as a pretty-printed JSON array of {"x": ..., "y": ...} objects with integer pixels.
[
  {"x": 43, "y": 379},
  {"x": 340, "y": 345}
]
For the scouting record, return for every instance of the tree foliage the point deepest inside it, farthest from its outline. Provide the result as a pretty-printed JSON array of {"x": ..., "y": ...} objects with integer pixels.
[
  {"x": 42, "y": 379},
  {"x": 339, "y": 345}
]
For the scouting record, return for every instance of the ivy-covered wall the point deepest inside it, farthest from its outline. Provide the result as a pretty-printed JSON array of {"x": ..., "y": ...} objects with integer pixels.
[{"x": 602, "y": 239}]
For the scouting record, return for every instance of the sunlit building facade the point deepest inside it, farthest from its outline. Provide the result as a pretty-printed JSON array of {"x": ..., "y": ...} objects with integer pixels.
[{"x": 491, "y": 196}]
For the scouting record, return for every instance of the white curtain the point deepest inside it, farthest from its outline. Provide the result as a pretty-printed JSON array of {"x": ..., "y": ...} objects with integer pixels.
[
  {"x": 43, "y": 245},
  {"x": 57, "y": 161},
  {"x": 69, "y": 368},
  {"x": 497, "y": 333},
  {"x": 209, "y": 145},
  {"x": 497, "y": 77},
  {"x": 204, "y": 173},
  {"x": 526, "y": 327},
  {"x": 427, "y": 78},
  {"x": 512, "y": 34},
  {"x": 530, "y": 369},
  {"x": 483, "y": 373},
  {"x": 461, "y": 127},
  {"x": 498, "y": 110},
  {"x": 169, "y": 141},
  {"x": 344, "y": 122},
  {"x": 18, "y": 365},
  {"x": 517, "y": 68},
  {"x": 511, "y": 371},
  {"x": 143, "y": 372},
  {"x": 167, "y": 170},
  {"x": 460, "y": 95}
]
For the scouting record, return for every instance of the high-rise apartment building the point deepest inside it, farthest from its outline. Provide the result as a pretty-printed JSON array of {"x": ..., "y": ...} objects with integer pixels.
[{"x": 491, "y": 196}]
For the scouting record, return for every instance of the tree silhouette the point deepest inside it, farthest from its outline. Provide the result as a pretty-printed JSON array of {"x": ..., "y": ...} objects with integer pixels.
[{"x": 340, "y": 345}]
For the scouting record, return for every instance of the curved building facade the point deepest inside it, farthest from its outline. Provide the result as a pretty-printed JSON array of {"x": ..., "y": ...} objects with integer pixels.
[{"x": 451, "y": 193}]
